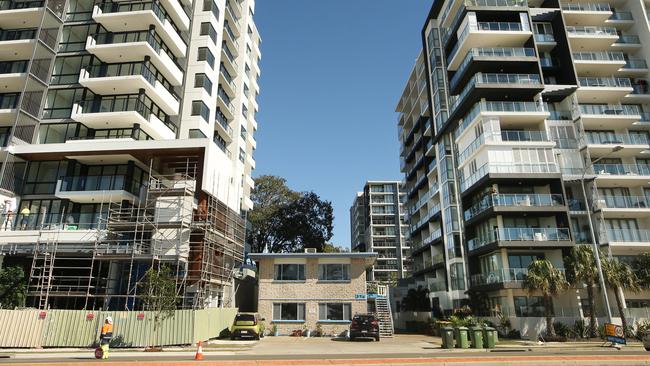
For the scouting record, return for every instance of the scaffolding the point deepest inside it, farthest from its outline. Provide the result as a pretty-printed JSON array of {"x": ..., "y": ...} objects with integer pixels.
[{"x": 171, "y": 223}]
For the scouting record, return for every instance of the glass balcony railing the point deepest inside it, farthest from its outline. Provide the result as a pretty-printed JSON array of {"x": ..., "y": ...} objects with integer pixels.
[
  {"x": 544, "y": 37},
  {"x": 507, "y": 136},
  {"x": 628, "y": 39},
  {"x": 623, "y": 202},
  {"x": 13, "y": 67},
  {"x": 621, "y": 15},
  {"x": 603, "y": 109},
  {"x": 154, "y": 6},
  {"x": 149, "y": 72},
  {"x": 500, "y": 26},
  {"x": 497, "y": 106},
  {"x": 497, "y": 3},
  {"x": 13, "y": 4},
  {"x": 9, "y": 100},
  {"x": 628, "y": 235},
  {"x": 610, "y": 82},
  {"x": 503, "y": 275},
  {"x": 149, "y": 37},
  {"x": 113, "y": 133},
  {"x": 616, "y": 139},
  {"x": 621, "y": 169},
  {"x": 508, "y": 168},
  {"x": 498, "y": 52},
  {"x": 586, "y": 7},
  {"x": 17, "y": 34},
  {"x": 494, "y": 78},
  {"x": 599, "y": 56},
  {"x": 560, "y": 116},
  {"x": 86, "y": 183},
  {"x": 591, "y": 31},
  {"x": 640, "y": 88},
  {"x": 514, "y": 200},
  {"x": 520, "y": 234},
  {"x": 635, "y": 64}
]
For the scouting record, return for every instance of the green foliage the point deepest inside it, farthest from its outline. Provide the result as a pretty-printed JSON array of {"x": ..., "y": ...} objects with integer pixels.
[
  {"x": 417, "y": 300},
  {"x": 562, "y": 330},
  {"x": 641, "y": 267},
  {"x": 544, "y": 277},
  {"x": 641, "y": 328},
  {"x": 619, "y": 275},
  {"x": 582, "y": 270},
  {"x": 158, "y": 291},
  {"x": 580, "y": 330},
  {"x": 331, "y": 248},
  {"x": 286, "y": 221},
  {"x": 13, "y": 288}
]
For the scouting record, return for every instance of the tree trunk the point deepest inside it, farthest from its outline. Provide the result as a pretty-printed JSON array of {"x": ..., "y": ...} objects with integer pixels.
[
  {"x": 550, "y": 330},
  {"x": 592, "y": 311},
  {"x": 621, "y": 312}
]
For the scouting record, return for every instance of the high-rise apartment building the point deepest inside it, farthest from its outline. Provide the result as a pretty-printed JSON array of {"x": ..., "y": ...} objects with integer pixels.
[
  {"x": 511, "y": 105},
  {"x": 127, "y": 144},
  {"x": 377, "y": 225}
]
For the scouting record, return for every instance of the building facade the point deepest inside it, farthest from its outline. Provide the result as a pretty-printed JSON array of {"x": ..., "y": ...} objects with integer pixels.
[
  {"x": 377, "y": 225},
  {"x": 304, "y": 290},
  {"x": 511, "y": 106},
  {"x": 127, "y": 144}
]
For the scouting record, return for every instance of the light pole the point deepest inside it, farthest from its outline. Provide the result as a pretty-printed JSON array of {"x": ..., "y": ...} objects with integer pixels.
[{"x": 591, "y": 230}]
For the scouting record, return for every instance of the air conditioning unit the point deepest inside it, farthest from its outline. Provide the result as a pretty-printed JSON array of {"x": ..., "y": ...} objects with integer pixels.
[{"x": 310, "y": 250}]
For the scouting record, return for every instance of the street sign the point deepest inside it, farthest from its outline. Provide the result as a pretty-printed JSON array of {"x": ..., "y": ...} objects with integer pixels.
[
  {"x": 614, "y": 333},
  {"x": 360, "y": 296}
]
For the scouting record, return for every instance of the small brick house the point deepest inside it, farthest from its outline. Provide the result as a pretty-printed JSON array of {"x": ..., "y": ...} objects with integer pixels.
[{"x": 300, "y": 291}]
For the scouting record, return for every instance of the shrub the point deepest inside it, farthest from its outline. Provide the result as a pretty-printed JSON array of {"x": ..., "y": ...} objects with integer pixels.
[
  {"x": 580, "y": 329},
  {"x": 562, "y": 330},
  {"x": 641, "y": 328},
  {"x": 514, "y": 334}
]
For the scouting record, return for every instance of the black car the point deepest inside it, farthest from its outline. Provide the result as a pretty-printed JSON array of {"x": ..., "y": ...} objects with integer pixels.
[{"x": 364, "y": 326}]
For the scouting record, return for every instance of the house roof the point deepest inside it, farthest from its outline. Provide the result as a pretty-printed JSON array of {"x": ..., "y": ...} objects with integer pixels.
[{"x": 369, "y": 257}]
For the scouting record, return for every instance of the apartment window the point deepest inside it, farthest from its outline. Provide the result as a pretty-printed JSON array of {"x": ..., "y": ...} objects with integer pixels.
[
  {"x": 59, "y": 102},
  {"x": 334, "y": 312},
  {"x": 289, "y": 272},
  {"x": 206, "y": 55},
  {"x": 242, "y": 155},
  {"x": 529, "y": 306},
  {"x": 246, "y": 90},
  {"x": 244, "y": 111},
  {"x": 200, "y": 109},
  {"x": 248, "y": 49},
  {"x": 289, "y": 312},
  {"x": 243, "y": 132},
  {"x": 53, "y": 133},
  {"x": 196, "y": 134},
  {"x": 210, "y": 5},
  {"x": 208, "y": 30},
  {"x": 42, "y": 176},
  {"x": 202, "y": 80},
  {"x": 334, "y": 272},
  {"x": 66, "y": 69}
]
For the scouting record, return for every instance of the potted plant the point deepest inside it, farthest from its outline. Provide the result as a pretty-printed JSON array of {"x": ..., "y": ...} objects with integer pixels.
[
  {"x": 319, "y": 330},
  {"x": 305, "y": 331},
  {"x": 274, "y": 330}
]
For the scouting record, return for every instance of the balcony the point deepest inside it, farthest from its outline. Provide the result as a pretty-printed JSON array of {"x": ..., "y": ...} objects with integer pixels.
[
  {"x": 230, "y": 57},
  {"x": 20, "y": 14},
  {"x": 623, "y": 206},
  {"x": 634, "y": 68},
  {"x": 627, "y": 42},
  {"x": 487, "y": 34},
  {"x": 624, "y": 175},
  {"x": 521, "y": 113},
  {"x": 424, "y": 220},
  {"x": 513, "y": 169},
  {"x": 596, "y": 115},
  {"x": 598, "y": 63},
  {"x": 230, "y": 36},
  {"x": 478, "y": 56},
  {"x": 125, "y": 111},
  {"x": 626, "y": 237},
  {"x": 602, "y": 144},
  {"x": 96, "y": 188},
  {"x": 516, "y": 203},
  {"x": 620, "y": 18},
  {"x": 8, "y": 108},
  {"x": 121, "y": 47},
  {"x": 17, "y": 44},
  {"x": 545, "y": 41},
  {"x": 505, "y": 137},
  {"x": 235, "y": 7},
  {"x": 13, "y": 75},
  {"x": 497, "y": 81},
  {"x": 432, "y": 238},
  {"x": 591, "y": 38},
  {"x": 585, "y": 13},
  {"x": 136, "y": 16},
  {"x": 523, "y": 237},
  {"x": 502, "y": 278},
  {"x": 603, "y": 89},
  {"x": 129, "y": 78}
]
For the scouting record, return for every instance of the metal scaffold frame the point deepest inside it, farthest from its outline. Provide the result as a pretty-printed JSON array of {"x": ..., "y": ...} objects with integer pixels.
[{"x": 171, "y": 223}]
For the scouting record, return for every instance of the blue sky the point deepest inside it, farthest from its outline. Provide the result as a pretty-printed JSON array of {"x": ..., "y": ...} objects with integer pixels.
[{"x": 332, "y": 73}]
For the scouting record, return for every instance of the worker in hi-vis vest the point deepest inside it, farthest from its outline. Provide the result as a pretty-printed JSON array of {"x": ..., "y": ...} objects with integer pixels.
[{"x": 106, "y": 336}]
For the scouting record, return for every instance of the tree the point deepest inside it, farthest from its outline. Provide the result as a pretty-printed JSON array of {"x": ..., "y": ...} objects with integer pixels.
[
  {"x": 13, "y": 290},
  {"x": 286, "y": 221},
  {"x": 619, "y": 276},
  {"x": 544, "y": 277},
  {"x": 582, "y": 269},
  {"x": 333, "y": 248},
  {"x": 641, "y": 266},
  {"x": 416, "y": 300},
  {"x": 158, "y": 291}
]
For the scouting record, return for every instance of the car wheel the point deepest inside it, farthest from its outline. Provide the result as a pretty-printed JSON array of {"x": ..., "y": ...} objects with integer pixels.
[{"x": 647, "y": 349}]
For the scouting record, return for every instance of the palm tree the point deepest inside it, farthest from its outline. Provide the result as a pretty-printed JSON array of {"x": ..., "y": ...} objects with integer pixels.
[
  {"x": 581, "y": 269},
  {"x": 544, "y": 277},
  {"x": 619, "y": 276}
]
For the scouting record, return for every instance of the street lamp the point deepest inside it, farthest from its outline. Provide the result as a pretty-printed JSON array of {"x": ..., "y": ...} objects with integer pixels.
[{"x": 591, "y": 230}]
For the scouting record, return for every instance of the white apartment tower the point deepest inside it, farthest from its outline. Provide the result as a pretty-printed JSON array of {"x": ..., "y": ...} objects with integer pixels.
[
  {"x": 377, "y": 225},
  {"x": 127, "y": 145}
]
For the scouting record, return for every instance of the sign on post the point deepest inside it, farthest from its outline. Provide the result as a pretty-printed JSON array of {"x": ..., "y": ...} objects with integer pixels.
[{"x": 614, "y": 333}]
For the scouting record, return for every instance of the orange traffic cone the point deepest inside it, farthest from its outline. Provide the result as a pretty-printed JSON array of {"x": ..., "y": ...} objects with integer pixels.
[{"x": 199, "y": 352}]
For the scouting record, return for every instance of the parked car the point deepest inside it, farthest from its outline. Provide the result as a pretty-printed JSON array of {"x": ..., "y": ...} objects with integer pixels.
[
  {"x": 364, "y": 326},
  {"x": 247, "y": 325},
  {"x": 646, "y": 340}
]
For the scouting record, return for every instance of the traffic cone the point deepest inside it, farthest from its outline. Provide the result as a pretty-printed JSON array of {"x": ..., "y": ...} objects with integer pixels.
[{"x": 199, "y": 352}]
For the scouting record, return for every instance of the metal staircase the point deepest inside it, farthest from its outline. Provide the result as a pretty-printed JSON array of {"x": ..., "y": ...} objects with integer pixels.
[{"x": 383, "y": 313}]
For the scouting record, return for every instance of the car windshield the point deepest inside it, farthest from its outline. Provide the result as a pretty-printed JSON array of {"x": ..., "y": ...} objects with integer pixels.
[
  {"x": 364, "y": 317},
  {"x": 245, "y": 318}
]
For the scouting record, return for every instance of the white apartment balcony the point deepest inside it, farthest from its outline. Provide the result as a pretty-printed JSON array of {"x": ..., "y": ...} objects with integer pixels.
[
  {"x": 523, "y": 237},
  {"x": 623, "y": 206},
  {"x": 627, "y": 42},
  {"x": 224, "y": 102},
  {"x": 502, "y": 278},
  {"x": 17, "y": 44},
  {"x": 8, "y": 108},
  {"x": 501, "y": 139},
  {"x": 229, "y": 58},
  {"x": 602, "y": 144},
  {"x": 232, "y": 18},
  {"x": 581, "y": 14},
  {"x": 598, "y": 63},
  {"x": 623, "y": 175},
  {"x": 226, "y": 80},
  {"x": 597, "y": 116},
  {"x": 545, "y": 42},
  {"x": 129, "y": 17},
  {"x": 603, "y": 89},
  {"x": 135, "y": 46},
  {"x": 588, "y": 38},
  {"x": 230, "y": 36},
  {"x": 222, "y": 128},
  {"x": 626, "y": 237},
  {"x": 620, "y": 19},
  {"x": 128, "y": 78},
  {"x": 95, "y": 189},
  {"x": 510, "y": 170},
  {"x": 235, "y": 6},
  {"x": 634, "y": 68},
  {"x": 519, "y": 113},
  {"x": 13, "y": 75},
  {"x": 516, "y": 203},
  {"x": 640, "y": 93},
  {"x": 20, "y": 14},
  {"x": 487, "y": 34},
  {"x": 124, "y": 111}
]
